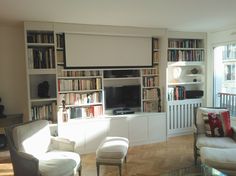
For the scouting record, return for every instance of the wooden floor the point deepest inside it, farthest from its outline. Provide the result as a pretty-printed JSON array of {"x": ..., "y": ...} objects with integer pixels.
[{"x": 144, "y": 160}]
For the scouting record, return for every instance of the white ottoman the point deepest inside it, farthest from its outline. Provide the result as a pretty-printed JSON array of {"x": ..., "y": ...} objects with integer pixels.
[{"x": 112, "y": 151}]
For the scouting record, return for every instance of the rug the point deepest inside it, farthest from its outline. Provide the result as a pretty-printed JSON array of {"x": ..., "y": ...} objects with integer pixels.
[{"x": 188, "y": 171}]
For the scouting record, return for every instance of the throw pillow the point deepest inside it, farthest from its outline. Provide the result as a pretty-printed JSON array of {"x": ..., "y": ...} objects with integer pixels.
[
  {"x": 225, "y": 120},
  {"x": 206, "y": 124},
  {"x": 215, "y": 125}
]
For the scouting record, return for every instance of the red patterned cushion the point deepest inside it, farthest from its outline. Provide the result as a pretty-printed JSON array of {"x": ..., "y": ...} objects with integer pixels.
[
  {"x": 225, "y": 119},
  {"x": 215, "y": 125}
]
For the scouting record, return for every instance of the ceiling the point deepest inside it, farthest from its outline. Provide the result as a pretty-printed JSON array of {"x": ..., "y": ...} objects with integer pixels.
[{"x": 180, "y": 15}]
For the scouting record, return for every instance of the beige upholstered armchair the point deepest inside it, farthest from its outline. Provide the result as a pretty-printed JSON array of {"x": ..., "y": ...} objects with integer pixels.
[
  {"x": 216, "y": 152},
  {"x": 34, "y": 152}
]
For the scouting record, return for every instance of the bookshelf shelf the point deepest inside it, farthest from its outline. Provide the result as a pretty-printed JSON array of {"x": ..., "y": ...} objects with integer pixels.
[
  {"x": 80, "y": 91},
  {"x": 43, "y": 99},
  {"x": 185, "y": 63},
  {"x": 184, "y": 83},
  {"x": 41, "y": 71},
  {"x": 83, "y": 105}
]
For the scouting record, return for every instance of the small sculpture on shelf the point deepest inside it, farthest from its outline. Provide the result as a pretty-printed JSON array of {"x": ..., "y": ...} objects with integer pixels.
[
  {"x": 1, "y": 110},
  {"x": 194, "y": 71},
  {"x": 64, "y": 112},
  {"x": 43, "y": 89}
]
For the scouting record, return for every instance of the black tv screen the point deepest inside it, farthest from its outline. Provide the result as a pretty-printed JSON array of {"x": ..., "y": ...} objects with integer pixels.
[{"x": 123, "y": 97}]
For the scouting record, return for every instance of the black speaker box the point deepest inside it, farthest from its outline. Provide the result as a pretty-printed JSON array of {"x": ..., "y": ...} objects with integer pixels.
[{"x": 194, "y": 93}]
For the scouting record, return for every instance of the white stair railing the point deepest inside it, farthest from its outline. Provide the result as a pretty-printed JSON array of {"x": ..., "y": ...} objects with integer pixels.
[{"x": 228, "y": 100}]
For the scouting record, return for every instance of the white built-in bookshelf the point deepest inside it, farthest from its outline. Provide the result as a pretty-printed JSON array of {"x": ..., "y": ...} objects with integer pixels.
[
  {"x": 81, "y": 89},
  {"x": 151, "y": 95},
  {"x": 185, "y": 77},
  {"x": 41, "y": 68}
]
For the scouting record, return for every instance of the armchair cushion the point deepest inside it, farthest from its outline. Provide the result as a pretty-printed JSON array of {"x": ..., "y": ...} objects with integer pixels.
[
  {"x": 56, "y": 163},
  {"x": 215, "y": 142},
  {"x": 59, "y": 143}
]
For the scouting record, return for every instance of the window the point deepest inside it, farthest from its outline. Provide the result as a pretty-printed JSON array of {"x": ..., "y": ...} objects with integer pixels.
[{"x": 225, "y": 77}]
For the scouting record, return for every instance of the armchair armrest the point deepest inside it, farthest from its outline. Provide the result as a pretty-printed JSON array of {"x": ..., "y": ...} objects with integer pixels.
[
  {"x": 60, "y": 143},
  {"x": 24, "y": 163},
  {"x": 195, "y": 130}
]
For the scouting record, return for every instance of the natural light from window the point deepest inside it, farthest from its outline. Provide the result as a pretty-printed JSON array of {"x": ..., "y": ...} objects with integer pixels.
[{"x": 225, "y": 77}]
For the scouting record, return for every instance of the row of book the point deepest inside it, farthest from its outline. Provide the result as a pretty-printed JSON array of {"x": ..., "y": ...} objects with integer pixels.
[
  {"x": 81, "y": 84},
  {"x": 40, "y": 37},
  {"x": 176, "y": 93},
  {"x": 60, "y": 41},
  {"x": 153, "y": 106},
  {"x": 46, "y": 112},
  {"x": 81, "y": 99},
  {"x": 74, "y": 73},
  {"x": 60, "y": 56},
  {"x": 185, "y": 55},
  {"x": 151, "y": 71},
  {"x": 185, "y": 43},
  {"x": 155, "y": 56},
  {"x": 155, "y": 44},
  {"x": 86, "y": 112},
  {"x": 151, "y": 93},
  {"x": 41, "y": 58},
  {"x": 150, "y": 81}
]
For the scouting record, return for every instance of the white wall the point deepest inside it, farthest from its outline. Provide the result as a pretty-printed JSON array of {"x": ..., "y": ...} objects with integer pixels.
[
  {"x": 13, "y": 87},
  {"x": 216, "y": 39}
]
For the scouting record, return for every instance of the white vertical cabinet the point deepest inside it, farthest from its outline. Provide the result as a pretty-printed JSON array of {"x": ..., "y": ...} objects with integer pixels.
[
  {"x": 157, "y": 127},
  {"x": 95, "y": 132},
  {"x": 118, "y": 127},
  {"x": 138, "y": 132}
]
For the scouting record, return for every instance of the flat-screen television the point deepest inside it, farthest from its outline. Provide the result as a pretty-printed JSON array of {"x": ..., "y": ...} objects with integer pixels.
[{"x": 123, "y": 97}]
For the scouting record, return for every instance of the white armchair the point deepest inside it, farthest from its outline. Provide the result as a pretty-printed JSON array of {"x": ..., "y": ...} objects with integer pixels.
[{"x": 34, "y": 152}]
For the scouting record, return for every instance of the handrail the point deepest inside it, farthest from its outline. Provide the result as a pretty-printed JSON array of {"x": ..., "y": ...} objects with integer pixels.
[{"x": 228, "y": 100}]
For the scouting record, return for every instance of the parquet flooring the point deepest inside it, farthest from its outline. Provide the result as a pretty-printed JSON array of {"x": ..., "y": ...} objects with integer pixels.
[{"x": 143, "y": 160}]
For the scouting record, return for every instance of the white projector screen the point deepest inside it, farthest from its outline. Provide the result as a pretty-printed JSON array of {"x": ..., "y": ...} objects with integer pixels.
[{"x": 101, "y": 51}]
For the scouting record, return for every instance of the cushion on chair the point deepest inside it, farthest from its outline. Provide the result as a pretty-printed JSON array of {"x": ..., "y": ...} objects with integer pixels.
[
  {"x": 201, "y": 112},
  {"x": 225, "y": 119},
  {"x": 215, "y": 142},
  {"x": 56, "y": 163},
  {"x": 215, "y": 124},
  {"x": 32, "y": 138},
  {"x": 222, "y": 159}
]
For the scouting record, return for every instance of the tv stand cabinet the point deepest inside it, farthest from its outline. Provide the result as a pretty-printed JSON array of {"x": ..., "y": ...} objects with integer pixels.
[{"x": 139, "y": 128}]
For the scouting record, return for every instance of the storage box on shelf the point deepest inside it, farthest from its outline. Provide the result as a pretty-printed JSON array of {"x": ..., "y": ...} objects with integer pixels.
[
  {"x": 151, "y": 95},
  {"x": 185, "y": 82},
  {"x": 41, "y": 74}
]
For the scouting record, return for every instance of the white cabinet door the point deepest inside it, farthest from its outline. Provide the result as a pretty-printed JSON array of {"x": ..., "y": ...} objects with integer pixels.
[
  {"x": 75, "y": 131},
  {"x": 138, "y": 132},
  {"x": 118, "y": 127},
  {"x": 157, "y": 127},
  {"x": 95, "y": 132}
]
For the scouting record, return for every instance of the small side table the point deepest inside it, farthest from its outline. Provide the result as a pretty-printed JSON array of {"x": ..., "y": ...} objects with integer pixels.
[{"x": 9, "y": 120}]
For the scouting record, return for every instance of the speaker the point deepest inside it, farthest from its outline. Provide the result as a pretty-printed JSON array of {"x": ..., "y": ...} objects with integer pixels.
[{"x": 194, "y": 93}]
